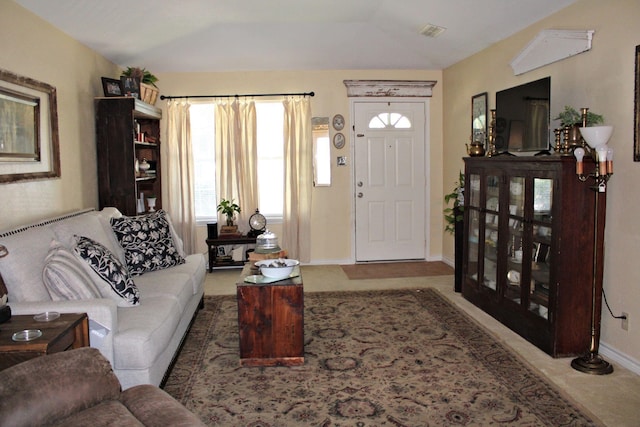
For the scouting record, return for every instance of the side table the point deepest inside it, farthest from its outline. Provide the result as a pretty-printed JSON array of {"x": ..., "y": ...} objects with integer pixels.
[
  {"x": 271, "y": 321},
  {"x": 70, "y": 330},
  {"x": 212, "y": 245}
]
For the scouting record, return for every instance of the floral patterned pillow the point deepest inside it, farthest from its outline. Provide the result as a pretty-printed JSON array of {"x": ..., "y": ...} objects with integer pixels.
[
  {"x": 147, "y": 242},
  {"x": 105, "y": 268}
]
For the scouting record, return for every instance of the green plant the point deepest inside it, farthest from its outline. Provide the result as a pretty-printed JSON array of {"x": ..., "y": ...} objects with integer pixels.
[
  {"x": 454, "y": 214},
  {"x": 143, "y": 74},
  {"x": 570, "y": 116},
  {"x": 228, "y": 208}
]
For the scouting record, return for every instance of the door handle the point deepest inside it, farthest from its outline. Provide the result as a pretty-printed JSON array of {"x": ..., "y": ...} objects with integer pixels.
[
  {"x": 360, "y": 195},
  {"x": 359, "y": 183}
]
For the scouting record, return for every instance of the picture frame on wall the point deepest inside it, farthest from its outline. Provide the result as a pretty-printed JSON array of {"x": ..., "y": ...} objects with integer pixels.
[
  {"x": 111, "y": 87},
  {"x": 479, "y": 119},
  {"x": 30, "y": 146},
  {"x": 130, "y": 86}
]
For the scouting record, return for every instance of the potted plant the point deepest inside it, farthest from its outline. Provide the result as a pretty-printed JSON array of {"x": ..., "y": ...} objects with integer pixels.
[
  {"x": 228, "y": 208},
  {"x": 148, "y": 88},
  {"x": 454, "y": 225},
  {"x": 571, "y": 120}
]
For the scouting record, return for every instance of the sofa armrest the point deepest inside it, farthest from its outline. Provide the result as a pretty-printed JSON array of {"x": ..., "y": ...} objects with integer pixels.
[
  {"x": 103, "y": 311},
  {"x": 153, "y": 407},
  {"x": 49, "y": 388}
]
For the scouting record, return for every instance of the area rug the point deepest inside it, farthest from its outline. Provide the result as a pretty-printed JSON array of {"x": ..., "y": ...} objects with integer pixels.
[
  {"x": 388, "y": 270},
  {"x": 372, "y": 358}
]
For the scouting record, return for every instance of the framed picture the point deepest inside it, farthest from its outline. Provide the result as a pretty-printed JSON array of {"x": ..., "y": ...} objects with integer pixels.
[
  {"x": 479, "y": 118},
  {"x": 29, "y": 144},
  {"x": 130, "y": 86},
  {"x": 111, "y": 87},
  {"x": 636, "y": 110}
]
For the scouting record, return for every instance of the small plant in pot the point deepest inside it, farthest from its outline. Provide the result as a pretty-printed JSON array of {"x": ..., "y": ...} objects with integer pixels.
[
  {"x": 229, "y": 209},
  {"x": 141, "y": 74},
  {"x": 571, "y": 120},
  {"x": 454, "y": 214}
]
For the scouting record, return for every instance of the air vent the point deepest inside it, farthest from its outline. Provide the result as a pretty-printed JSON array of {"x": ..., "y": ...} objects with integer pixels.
[{"x": 431, "y": 30}]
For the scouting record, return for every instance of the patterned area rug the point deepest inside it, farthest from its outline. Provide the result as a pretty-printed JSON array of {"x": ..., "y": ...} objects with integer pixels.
[
  {"x": 386, "y": 270},
  {"x": 374, "y": 358}
]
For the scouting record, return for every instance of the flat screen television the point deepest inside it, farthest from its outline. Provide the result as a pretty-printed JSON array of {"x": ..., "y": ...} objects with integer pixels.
[{"x": 522, "y": 118}]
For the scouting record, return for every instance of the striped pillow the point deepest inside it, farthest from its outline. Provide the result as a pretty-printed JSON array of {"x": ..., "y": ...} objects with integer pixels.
[{"x": 64, "y": 276}]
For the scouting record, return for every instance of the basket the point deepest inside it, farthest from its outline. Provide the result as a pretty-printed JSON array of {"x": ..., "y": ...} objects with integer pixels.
[{"x": 148, "y": 93}]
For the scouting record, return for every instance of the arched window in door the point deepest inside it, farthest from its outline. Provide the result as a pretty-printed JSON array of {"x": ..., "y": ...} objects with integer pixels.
[{"x": 390, "y": 121}]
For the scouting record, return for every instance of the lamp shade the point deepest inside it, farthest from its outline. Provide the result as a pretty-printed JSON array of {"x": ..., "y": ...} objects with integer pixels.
[{"x": 596, "y": 135}]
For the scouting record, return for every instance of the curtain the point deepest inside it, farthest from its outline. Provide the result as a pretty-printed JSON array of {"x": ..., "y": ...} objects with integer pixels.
[
  {"x": 237, "y": 156},
  {"x": 180, "y": 182},
  {"x": 298, "y": 167}
]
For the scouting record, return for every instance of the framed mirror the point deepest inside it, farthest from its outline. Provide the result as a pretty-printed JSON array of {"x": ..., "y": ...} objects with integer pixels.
[
  {"x": 29, "y": 144},
  {"x": 479, "y": 118},
  {"x": 636, "y": 110}
]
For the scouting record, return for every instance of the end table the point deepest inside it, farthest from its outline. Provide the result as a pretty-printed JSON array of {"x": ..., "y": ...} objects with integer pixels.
[{"x": 70, "y": 330}]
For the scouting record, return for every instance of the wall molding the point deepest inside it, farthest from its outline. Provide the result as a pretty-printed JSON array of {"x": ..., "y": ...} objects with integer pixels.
[
  {"x": 551, "y": 46},
  {"x": 389, "y": 88}
]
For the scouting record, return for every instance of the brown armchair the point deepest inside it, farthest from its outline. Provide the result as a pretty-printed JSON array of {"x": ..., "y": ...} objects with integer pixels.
[{"x": 79, "y": 388}]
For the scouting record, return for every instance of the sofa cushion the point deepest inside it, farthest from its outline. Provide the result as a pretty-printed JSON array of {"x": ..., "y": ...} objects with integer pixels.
[
  {"x": 21, "y": 269},
  {"x": 111, "y": 277},
  {"x": 169, "y": 283},
  {"x": 65, "y": 277},
  {"x": 147, "y": 242},
  {"x": 92, "y": 225},
  {"x": 145, "y": 332}
]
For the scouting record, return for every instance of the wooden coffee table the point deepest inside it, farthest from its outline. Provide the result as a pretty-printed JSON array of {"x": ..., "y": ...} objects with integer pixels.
[
  {"x": 70, "y": 330},
  {"x": 271, "y": 321}
]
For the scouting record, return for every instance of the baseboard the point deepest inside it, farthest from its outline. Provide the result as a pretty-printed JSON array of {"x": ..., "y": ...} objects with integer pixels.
[{"x": 612, "y": 355}]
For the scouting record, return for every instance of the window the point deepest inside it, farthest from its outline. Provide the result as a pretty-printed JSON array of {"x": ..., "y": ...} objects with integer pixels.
[
  {"x": 204, "y": 161},
  {"x": 270, "y": 139},
  {"x": 390, "y": 120}
]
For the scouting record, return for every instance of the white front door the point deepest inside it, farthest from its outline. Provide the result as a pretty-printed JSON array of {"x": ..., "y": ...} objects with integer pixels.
[{"x": 390, "y": 180}]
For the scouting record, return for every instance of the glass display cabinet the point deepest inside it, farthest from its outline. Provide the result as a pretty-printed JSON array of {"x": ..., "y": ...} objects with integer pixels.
[{"x": 529, "y": 251}]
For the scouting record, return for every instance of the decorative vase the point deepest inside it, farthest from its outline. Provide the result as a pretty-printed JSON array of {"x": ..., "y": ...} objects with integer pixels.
[{"x": 151, "y": 201}]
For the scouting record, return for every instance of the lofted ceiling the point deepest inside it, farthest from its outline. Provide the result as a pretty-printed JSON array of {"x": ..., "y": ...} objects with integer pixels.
[{"x": 235, "y": 35}]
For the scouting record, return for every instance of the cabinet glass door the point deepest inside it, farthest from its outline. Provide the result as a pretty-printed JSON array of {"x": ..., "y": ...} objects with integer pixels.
[
  {"x": 492, "y": 219},
  {"x": 541, "y": 239},
  {"x": 474, "y": 190},
  {"x": 515, "y": 273},
  {"x": 472, "y": 244}
]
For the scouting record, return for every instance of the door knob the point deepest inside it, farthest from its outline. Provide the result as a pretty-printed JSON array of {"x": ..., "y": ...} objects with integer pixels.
[
  {"x": 359, "y": 183},
  {"x": 360, "y": 195}
]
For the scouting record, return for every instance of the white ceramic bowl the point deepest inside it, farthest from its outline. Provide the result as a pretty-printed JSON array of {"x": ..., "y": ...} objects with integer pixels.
[{"x": 276, "y": 268}]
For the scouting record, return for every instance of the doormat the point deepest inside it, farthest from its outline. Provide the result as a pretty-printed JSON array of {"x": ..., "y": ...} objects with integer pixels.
[{"x": 389, "y": 270}]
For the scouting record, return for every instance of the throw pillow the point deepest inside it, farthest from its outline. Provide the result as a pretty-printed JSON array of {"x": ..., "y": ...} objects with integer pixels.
[
  {"x": 106, "y": 269},
  {"x": 64, "y": 275},
  {"x": 147, "y": 242}
]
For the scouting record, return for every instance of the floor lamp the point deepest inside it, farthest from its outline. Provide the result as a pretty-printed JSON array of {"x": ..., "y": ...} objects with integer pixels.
[{"x": 596, "y": 139}]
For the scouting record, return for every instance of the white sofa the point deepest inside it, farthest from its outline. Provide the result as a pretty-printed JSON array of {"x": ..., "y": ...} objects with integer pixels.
[{"x": 140, "y": 341}]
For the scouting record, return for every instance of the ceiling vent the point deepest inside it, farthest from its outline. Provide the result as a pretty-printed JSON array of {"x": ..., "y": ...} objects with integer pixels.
[{"x": 431, "y": 30}]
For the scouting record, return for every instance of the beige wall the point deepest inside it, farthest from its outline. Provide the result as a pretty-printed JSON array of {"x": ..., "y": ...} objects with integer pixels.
[
  {"x": 332, "y": 222},
  {"x": 32, "y": 48},
  {"x": 601, "y": 79}
]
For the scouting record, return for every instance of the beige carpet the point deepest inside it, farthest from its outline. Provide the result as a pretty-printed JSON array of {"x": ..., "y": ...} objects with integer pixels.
[
  {"x": 373, "y": 358},
  {"x": 387, "y": 270}
]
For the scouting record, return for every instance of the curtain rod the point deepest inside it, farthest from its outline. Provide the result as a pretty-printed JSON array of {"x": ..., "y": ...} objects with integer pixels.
[{"x": 237, "y": 96}]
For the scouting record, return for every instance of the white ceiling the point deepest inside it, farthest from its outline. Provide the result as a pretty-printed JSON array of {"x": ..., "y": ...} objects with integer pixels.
[{"x": 234, "y": 35}]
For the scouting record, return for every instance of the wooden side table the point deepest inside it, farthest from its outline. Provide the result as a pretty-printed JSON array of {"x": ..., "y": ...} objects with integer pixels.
[
  {"x": 271, "y": 321},
  {"x": 70, "y": 330},
  {"x": 212, "y": 245}
]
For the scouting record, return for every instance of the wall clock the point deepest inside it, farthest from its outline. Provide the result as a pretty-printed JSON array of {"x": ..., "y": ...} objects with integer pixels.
[
  {"x": 338, "y": 140},
  {"x": 338, "y": 122}
]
